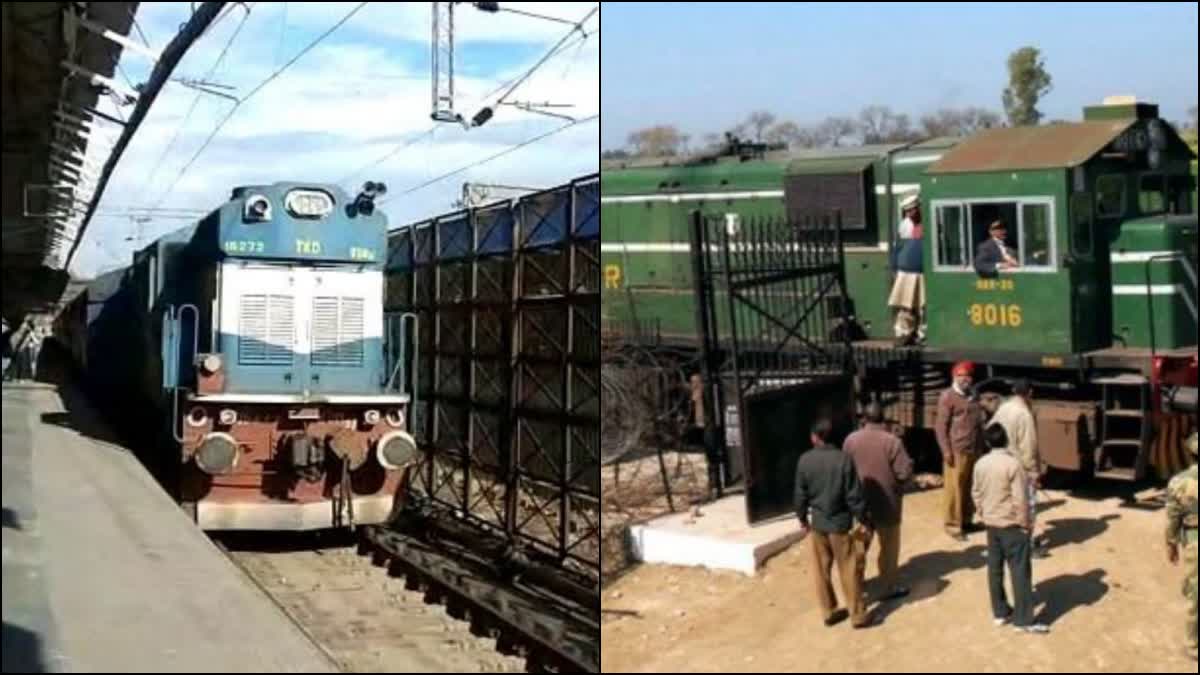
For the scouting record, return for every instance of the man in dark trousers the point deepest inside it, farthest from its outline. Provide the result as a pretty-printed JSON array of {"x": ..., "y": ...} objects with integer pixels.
[
  {"x": 827, "y": 485},
  {"x": 1001, "y": 499},
  {"x": 883, "y": 468}
]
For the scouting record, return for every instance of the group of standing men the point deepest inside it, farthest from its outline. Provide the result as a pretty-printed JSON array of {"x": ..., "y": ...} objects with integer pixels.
[
  {"x": 847, "y": 498},
  {"x": 999, "y": 488}
]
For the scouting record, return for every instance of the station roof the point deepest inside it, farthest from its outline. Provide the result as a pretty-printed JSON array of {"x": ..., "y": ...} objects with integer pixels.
[{"x": 58, "y": 60}]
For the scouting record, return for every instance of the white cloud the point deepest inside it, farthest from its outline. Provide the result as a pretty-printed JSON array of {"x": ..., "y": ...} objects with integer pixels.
[
  {"x": 343, "y": 105},
  {"x": 412, "y": 20}
]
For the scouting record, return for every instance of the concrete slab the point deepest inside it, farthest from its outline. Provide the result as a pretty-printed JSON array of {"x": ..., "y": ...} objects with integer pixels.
[
  {"x": 107, "y": 573},
  {"x": 720, "y": 538}
]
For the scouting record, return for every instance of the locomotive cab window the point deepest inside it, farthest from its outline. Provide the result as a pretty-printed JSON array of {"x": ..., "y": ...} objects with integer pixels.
[
  {"x": 960, "y": 227},
  {"x": 1037, "y": 240},
  {"x": 984, "y": 214},
  {"x": 1179, "y": 194},
  {"x": 951, "y": 249},
  {"x": 1110, "y": 195},
  {"x": 1152, "y": 194}
]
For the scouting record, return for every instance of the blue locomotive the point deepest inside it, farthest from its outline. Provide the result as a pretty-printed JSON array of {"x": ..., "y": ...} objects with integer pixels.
[{"x": 249, "y": 357}]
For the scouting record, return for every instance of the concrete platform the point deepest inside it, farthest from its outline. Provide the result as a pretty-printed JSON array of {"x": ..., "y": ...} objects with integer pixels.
[
  {"x": 720, "y": 538},
  {"x": 103, "y": 572}
]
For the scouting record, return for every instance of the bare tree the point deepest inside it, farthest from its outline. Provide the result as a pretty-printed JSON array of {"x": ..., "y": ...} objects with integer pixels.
[
  {"x": 977, "y": 119},
  {"x": 662, "y": 140},
  {"x": 873, "y": 121},
  {"x": 806, "y": 138},
  {"x": 834, "y": 131},
  {"x": 878, "y": 124},
  {"x": 759, "y": 120},
  {"x": 783, "y": 133},
  {"x": 958, "y": 122}
]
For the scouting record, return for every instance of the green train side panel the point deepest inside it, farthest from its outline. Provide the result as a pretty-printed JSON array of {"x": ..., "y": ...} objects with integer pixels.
[
  {"x": 868, "y": 282},
  {"x": 1023, "y": 311},
  {"x": 1174, "y": 322},
  {"x": 646, "y": 210}
]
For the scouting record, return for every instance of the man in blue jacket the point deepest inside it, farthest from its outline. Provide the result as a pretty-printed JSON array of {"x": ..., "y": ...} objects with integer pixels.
[{"x": 908, "y": 291}]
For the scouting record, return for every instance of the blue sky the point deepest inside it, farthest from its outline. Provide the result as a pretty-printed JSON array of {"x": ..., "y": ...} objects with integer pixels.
[
  {"x": 348, "y": 102},
  {"x": 704, "y": 66}
]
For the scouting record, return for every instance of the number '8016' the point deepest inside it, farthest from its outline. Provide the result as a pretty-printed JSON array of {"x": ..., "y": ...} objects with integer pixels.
[{"x": 1008, "y": 316}]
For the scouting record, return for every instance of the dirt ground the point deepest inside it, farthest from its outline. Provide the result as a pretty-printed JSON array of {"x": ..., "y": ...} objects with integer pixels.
[
  {"x": 1113, "y": 602},
  {"x": 633, "y": 492}
]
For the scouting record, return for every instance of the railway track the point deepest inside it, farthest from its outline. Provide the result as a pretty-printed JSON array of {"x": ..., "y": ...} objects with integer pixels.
[
  {"x": 363, "y": 619},
  {"x": 383, "y": 600}
]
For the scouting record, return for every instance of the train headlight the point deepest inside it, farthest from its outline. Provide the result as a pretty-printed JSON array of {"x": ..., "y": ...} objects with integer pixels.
[
  {"x": 197, "y": 417},
  {"x": 211, "y": 363},
  {"x": 228, "y": 416},
  {"x": 258, "y": 208},
  {"x": 371, "y": 417},
  {"x": 396, "y": 449},
  {"x": 217, "y": 454},
  {"x": 308, "y": 203}
]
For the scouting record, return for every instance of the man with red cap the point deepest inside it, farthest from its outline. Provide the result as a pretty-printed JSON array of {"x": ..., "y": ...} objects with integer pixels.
[{"x": 958, "y": 429}]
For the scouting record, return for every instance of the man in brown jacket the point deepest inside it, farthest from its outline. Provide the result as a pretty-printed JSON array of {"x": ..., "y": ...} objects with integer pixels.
[
  {"x": 958, "y": 427},
  {"x": 883, "y": 467}
]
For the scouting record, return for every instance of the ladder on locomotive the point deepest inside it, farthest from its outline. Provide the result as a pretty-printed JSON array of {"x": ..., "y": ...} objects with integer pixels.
[{"x": 1126, "y": 433}]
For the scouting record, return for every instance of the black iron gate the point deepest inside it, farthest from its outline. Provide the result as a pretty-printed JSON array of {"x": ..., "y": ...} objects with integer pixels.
[{"x": 771, "y": 311}]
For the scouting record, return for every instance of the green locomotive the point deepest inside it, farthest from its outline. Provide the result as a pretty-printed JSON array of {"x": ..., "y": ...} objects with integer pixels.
[{"x": 1102, "y": 216}]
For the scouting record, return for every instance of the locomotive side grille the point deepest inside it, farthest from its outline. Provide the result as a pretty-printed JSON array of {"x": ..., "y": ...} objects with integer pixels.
[
  {"x": 337, "y": 329},
  {"x": 265, "y": 330}
]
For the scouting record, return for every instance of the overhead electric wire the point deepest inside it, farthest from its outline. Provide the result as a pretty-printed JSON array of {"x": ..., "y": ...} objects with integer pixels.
[
  {"x": 511, "y": 84},
  {"x": 195, "y": 102},
  {"x": 509, "y": 150},
  {"x": 576, "y": 27},
  {"x": 163, "y": 68},
  {"x": 254, "y": 91},
  {"x": 138, "y": 27}
]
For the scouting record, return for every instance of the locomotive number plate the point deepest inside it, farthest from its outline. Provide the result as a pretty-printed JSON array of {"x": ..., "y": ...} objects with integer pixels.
[
  {"x": 244, "y": 247},
  {"x": 988, "y": 314}
]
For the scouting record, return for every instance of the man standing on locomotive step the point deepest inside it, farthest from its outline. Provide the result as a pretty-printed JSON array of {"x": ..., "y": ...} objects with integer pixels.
[
  {"x": 958, "y": 429},
  {"x": 908, "y": 291}
]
